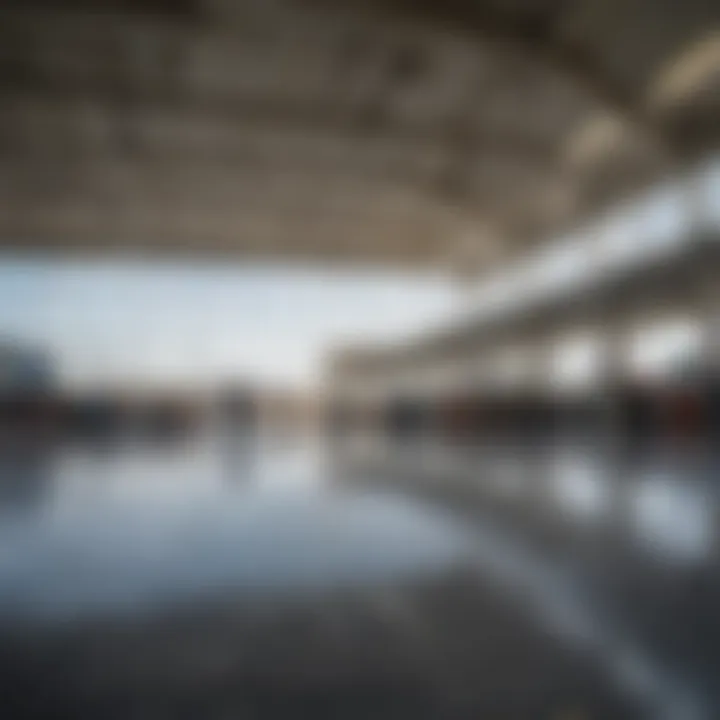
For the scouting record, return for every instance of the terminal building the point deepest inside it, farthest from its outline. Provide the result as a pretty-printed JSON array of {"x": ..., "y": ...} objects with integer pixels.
[
  {"x": 558, "y": 161},
  {"x": 611, "y": 328}
]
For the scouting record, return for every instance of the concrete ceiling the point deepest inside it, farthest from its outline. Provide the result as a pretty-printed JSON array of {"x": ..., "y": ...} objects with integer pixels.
[{"x": 418, "y": 133}]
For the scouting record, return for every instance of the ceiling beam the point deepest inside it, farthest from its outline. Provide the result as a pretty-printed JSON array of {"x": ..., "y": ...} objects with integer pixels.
[{"x": 536, "y": 34}]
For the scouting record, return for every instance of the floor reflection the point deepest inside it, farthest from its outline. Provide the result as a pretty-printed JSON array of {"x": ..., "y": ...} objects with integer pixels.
[
  {"x": 610, "y": 559},
  {"x": 141, "y": 525},
  {"x": 673, "y": 515},
  {"x": 26, "y": 473}
]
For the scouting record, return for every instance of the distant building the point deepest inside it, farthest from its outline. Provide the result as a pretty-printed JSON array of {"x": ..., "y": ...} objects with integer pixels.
[{"x": 25, "y": 370}]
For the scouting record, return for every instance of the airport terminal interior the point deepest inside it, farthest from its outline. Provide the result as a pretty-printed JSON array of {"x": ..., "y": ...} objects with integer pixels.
[{"x": 360, "y": 359}]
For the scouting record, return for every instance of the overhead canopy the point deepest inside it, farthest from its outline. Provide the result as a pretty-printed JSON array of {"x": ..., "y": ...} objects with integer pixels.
[{"x": 433, "y": 134}]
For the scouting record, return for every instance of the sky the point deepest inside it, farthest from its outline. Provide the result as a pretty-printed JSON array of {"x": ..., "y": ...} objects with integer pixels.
[{"x": 157, "y": 322}]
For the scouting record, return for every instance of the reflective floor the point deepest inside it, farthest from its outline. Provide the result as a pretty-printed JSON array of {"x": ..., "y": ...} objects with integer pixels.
[
  {"x": 215, "y": 578},
  {"x": 113, "y": 529}
]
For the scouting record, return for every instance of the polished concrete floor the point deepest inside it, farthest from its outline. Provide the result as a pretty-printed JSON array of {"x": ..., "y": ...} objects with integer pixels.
[{"x": 215, "y": 579}]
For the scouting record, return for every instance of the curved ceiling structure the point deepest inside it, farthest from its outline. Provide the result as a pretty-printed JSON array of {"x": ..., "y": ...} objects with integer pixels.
[{"x": 416, "y": 133}]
